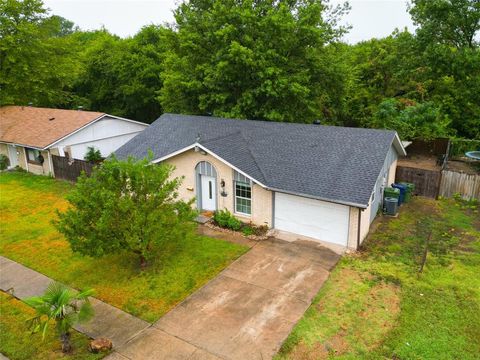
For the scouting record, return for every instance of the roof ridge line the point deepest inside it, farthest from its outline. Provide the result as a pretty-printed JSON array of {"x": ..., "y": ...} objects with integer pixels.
[
  {"x": 219, "y": 137},
  {"x": 253, "y": 157}
]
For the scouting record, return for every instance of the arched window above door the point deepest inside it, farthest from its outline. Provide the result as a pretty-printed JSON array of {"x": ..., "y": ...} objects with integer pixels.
[{"x": 205, "y": 168}]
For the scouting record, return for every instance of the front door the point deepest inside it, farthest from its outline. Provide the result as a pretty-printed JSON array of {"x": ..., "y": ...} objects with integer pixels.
[
  {"x": 208, "y": 192},
  {"x": 12, "y": 156}
]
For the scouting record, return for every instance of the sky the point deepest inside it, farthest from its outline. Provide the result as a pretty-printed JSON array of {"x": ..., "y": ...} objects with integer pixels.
[{"x": 368, "y": 18}]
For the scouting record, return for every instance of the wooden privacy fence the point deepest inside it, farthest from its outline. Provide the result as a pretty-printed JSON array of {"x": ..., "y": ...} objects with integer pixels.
[
  {"x": 427, "y": 182},
  {"x": 432, "y": 183},
  {"x": 70, "y": 169},
  {"x": 468, "y": 185}
]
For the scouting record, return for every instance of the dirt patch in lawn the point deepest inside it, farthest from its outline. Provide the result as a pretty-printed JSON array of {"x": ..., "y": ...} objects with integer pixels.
[
  {"x": 467, "y": 242},
  {"x": 337, "y": 345},
  {"x": 384, "y": 295},
  {"x": 476, "y": 223},
  {"x": 360, "y": 312}
]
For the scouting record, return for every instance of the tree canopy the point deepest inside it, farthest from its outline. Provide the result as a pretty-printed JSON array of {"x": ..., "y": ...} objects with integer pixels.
[
  {"x": 252, "y": 59},
  {"x": 37, "y": 57},
  {"x": 450, "y": 22},
  {"x": 263, "y": 59},
  {"x": 130, "y": 206}
]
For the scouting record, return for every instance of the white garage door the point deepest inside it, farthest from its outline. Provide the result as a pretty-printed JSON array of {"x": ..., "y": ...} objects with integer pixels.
[{"x": 313, "y": 218}]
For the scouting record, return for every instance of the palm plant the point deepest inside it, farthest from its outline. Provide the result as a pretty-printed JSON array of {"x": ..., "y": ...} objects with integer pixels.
[{"x": 64, "y": 306}]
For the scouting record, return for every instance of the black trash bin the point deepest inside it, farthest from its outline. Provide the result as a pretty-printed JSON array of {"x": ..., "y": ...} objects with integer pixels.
[{"x": 391, "y": 206}]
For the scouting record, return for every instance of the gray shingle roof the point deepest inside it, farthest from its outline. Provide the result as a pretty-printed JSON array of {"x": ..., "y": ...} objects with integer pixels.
[{"x": 332, "y": 163}]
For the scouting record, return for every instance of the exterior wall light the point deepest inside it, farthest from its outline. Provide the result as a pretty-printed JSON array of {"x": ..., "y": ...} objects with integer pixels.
[{"x": 222, "y": 185}]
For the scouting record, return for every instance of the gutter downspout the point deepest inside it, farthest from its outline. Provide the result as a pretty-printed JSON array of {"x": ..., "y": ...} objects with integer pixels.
[
  {"x": 273, "y": 210},
  {"x": 358, "y": 228}
]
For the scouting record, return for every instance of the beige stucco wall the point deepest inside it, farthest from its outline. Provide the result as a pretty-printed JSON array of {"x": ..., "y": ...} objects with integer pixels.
[
  {"x": 391, "y": 173},
  {"x": 365, "y": 223},
  {"x": 185, "y": 164},
  {"x": 261, "y": 206},
  {"x": 353, "y": 226}
]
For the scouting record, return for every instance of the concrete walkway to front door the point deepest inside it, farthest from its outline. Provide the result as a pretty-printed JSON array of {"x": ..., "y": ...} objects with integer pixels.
[
  {"x": 109, "y": 321},
  {"x": 244, "y": 313}
]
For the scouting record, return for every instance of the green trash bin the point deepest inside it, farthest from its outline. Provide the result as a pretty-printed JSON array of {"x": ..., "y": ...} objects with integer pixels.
[
  {"x": 410, "y": 189},
  {"x": 390, "y": 192}
]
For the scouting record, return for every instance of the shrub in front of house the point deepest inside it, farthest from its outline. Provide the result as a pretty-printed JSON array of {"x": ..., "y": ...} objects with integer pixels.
[
  {"x": 260, "y": 230},
  {"x": 225, "y": 219},
  {"x": 4, "y": 162},
  {"x": 248, "y": 230}
]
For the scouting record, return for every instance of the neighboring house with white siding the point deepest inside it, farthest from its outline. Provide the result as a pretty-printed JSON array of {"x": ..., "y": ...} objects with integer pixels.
[
  {"x": 29, "y": 136},
  {"x": 305, "y": 181}
]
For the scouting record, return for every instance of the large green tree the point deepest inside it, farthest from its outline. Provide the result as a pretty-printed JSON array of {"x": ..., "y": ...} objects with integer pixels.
[
  {"x": 37, "y": 62},
  {"x": 450, "y": 22},
  {"x": 380, "y": 69},
  {"x": 126, "y": 206},
  {"x": 262, "y": 59},
  {"x": 447, "y": 43},
  {"x": 427, "y": 67},
  {"x": 123, "y": 76},
  {"x": 411, "y": 121},
  {"x": 257, "y": 59}
]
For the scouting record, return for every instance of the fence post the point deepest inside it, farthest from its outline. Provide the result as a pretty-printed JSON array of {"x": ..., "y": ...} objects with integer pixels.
[{"x": 447, "y": 153}]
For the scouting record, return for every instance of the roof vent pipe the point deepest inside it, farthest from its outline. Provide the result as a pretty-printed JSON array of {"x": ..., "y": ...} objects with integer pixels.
[
  {"x": 80, "y": 108},
  {"x": 30, "y": 104},
  {"x": 317, "y": 122}
]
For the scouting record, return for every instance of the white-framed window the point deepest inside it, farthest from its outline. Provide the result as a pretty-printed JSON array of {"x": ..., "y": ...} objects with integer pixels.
[{"x": 243, "y": 194}]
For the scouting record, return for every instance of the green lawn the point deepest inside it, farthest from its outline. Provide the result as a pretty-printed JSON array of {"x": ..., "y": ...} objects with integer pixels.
[
  {"x": 27, "y": 206},
  {"x": 377, "y": 306},
  {"x": 17, "y": 342}
]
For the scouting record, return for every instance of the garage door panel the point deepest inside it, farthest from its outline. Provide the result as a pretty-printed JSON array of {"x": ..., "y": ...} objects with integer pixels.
[{"x": 313, "y": 218}]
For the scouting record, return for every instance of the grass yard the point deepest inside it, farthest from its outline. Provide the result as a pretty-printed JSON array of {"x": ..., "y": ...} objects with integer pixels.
[
  {"x": 27, "y": 206},
  {"x": 376, "y": 305},
  {"x": 17, "y": 342}
]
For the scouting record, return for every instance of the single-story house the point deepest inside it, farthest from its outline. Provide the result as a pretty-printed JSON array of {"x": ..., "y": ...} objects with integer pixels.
[
  {"x": 305, "y": 181},
  {"x": 30, "y": 135}
]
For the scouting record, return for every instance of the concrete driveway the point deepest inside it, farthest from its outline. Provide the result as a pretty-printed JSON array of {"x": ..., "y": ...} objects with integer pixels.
[{"x": 244, "y": 313}]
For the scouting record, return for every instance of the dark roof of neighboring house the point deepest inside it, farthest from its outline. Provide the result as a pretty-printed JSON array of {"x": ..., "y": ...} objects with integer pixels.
[
  {"x": 337, "y": 164},
  {"x": 40, "y": 127}
]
